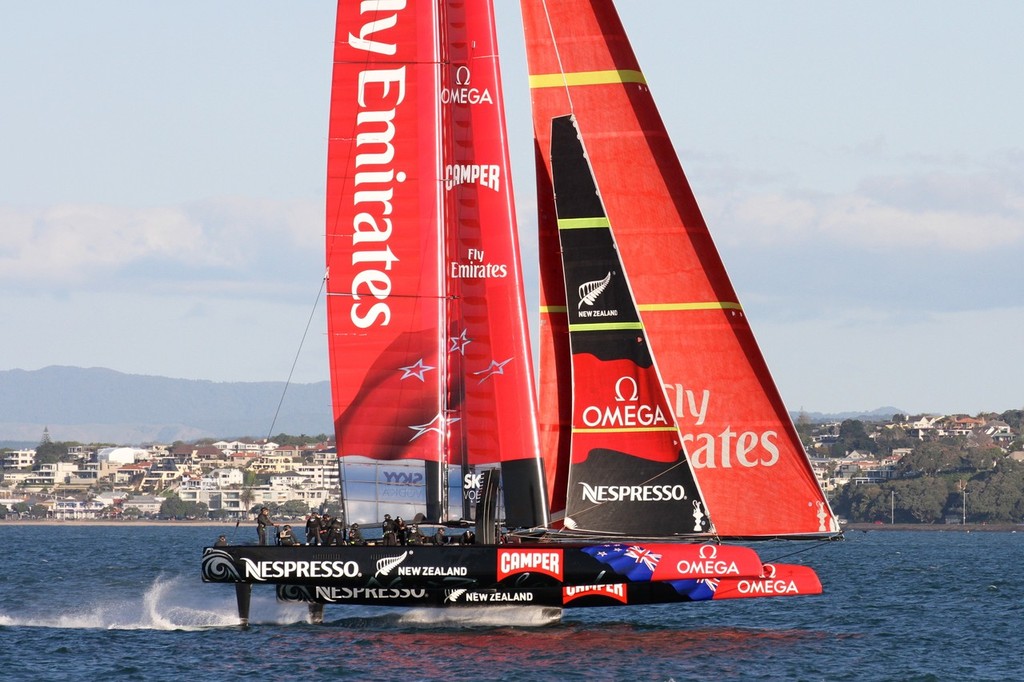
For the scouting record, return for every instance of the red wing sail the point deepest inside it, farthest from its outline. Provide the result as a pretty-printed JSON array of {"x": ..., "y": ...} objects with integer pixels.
[
  {"x": 489, "y": 349},
  {"x": 747, "y": 457},
  {"x": 430, "y": 356},
  {"x": 385, "y": 302}
]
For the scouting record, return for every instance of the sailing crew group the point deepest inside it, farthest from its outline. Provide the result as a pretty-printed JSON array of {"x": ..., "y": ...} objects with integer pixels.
[{"x": 328, "y": 531}]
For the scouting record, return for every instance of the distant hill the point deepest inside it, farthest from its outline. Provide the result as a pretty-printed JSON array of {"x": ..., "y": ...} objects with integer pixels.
[
  {"x": 103, "y": 406},
  {"x": 881, "y": 414}
]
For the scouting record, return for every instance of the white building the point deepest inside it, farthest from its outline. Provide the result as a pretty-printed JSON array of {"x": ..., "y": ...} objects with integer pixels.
[
  {"x": 215, "y": 480},
  {"x": 19, "y": 459},
  {"x": 121, "y": 455},
  {"x": 147, "y": 504}
]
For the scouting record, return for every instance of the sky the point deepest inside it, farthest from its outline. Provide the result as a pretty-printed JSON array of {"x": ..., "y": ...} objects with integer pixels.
[{"x": 860, "y": 166}]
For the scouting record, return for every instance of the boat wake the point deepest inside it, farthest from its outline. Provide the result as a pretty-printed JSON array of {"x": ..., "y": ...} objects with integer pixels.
[
  {"x": 169, "y": 603},
  {"x": 483, "y": 617}
]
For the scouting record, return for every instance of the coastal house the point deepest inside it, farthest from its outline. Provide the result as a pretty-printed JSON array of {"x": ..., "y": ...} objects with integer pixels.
[
  {"x": 18, "y": 459},
  {"x": 217, "y": 479},
  {"x": 860, "y": 468},
  {"x": 162, "y": 474},
  {"x": 148, "y": 505},
  {"x": 999, "y": 431},
  {"x": 70, "y": 508},
  {"x": 273, "y": 462},
  {"x": 250, "y": 446},
  {"x": 320, "y": 475},
  {"x": 55, "y": 474}
]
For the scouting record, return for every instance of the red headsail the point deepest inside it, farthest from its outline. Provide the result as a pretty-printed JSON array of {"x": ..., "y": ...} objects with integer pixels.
[{"x": 748, "y": 459}]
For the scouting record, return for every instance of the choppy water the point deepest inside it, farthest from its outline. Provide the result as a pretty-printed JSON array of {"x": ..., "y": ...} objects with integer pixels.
[{"x": 127, "y": 603}]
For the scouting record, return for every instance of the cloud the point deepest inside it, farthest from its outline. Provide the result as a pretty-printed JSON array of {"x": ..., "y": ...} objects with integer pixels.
[
  {"x": 979, "y": 213},
  {"x": 91, "y": 246}
]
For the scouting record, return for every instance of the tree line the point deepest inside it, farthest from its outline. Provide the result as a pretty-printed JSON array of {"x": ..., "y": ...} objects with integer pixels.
[{"x": 940, "y": 479}]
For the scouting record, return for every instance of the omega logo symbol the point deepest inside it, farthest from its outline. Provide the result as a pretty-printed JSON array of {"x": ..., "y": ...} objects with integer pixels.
[
  {"x": 708, "y": 552},
  {"x": 461, "y": 92},
  {"x": 622, "y": 397}
]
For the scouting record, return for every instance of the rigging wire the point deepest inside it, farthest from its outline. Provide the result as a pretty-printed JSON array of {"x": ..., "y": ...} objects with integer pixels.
[
  {"x": 816, "y": 545},
  {"x": 558, "y": 57},
  {"x": 298, "y": 351}
]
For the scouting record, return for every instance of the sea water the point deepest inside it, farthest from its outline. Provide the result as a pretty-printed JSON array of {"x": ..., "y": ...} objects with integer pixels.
[{"x": 127, "y": 603}]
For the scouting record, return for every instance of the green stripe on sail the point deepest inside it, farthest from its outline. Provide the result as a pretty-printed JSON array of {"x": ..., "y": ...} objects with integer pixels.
[
  {"x": 582, "y": 223},
  {"x": 604, "y": 326},
  {"x": 559, "y": 80}
]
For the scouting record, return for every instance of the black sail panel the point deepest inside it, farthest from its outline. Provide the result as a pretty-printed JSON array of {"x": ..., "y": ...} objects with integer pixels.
[{"x": 628, "y": 472}]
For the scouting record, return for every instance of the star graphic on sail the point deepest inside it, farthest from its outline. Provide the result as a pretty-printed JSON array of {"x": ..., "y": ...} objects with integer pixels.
[
  {"x": 437, "y": 424},
  {"x": 417, "y": 369},
  {"x": 459, "y": 343},
  {"x": 494, "y": 368}
]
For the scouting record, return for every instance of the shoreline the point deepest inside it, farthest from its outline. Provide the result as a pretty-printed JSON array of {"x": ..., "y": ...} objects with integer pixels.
[
  {"x": 209, "y": 523},
  {"x": 941, "y": 527}
]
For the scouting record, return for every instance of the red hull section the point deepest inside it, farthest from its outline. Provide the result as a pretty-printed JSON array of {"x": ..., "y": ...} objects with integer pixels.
[{"x": 779, "y": 580}]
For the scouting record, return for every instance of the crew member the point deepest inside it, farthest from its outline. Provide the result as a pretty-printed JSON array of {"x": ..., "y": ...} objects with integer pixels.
[
  {"x": 262, "y": 521},
  {"x": 286, "y": 537},
  {"x": 313, "y": 529}
]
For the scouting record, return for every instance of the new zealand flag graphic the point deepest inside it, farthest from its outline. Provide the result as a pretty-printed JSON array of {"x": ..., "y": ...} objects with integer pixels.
[
  {"x": 637, "y": 563},
  {"x": 632, "y": 561},
  {"x": 701, "y": 589}
]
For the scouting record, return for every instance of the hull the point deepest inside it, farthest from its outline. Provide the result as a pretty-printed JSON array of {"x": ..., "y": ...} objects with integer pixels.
[
  {"x": 541, "y": 574},
  {"x": 785, "y": 581}
]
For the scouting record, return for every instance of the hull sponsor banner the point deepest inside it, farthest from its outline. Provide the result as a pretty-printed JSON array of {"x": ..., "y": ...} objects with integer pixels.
[
  {"x": 616, "y": 592},
  {"x": 477, "y": 566},
  {"x": 779, "y": 580},
  {"x": 524, "y": 561},
  {"x": 661, "y": 561}
]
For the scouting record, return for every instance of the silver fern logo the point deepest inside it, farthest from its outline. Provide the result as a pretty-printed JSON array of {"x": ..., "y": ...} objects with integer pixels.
[
  {"x": 453, "y": 596},
  {"x": 589, "y": 291},
  {"x": 388, "y": 564}
]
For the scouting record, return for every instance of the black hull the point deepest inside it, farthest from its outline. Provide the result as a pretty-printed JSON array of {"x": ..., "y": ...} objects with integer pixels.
[
  {"x": 553, "y": 597},
  {"x": 529, "y": 574},
  {"x": 519, "y": 566}
]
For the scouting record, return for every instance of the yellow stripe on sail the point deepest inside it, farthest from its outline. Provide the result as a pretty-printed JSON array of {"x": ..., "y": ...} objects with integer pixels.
[
  {"x": 604, "y": 326},
  {"x": 560, "y": 80},
  {"x": 582, "y": 223},
  {"x": 552, "y": 309},
  {"x": 695, "y": 305}
]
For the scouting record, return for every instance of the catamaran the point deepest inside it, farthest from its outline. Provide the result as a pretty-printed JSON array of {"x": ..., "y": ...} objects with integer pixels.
[{"x": 659, "y": 438}]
